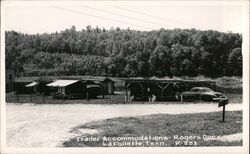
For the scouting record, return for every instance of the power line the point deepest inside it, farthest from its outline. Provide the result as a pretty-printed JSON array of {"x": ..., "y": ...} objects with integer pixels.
[
  {"x": 114, "y": 20},
  {"x": 145, "y": 14},
  {"x": 121, "y": 15}
]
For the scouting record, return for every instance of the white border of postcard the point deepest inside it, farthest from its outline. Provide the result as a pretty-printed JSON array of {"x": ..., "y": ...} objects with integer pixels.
[{"x": 227, "y": 150}]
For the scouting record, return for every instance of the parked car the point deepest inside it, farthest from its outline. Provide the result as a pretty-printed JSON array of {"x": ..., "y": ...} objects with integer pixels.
[{"x": 202, "y": 93}]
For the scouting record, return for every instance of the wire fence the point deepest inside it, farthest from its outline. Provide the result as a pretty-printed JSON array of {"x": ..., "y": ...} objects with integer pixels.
[{"x": 118, "y": 98}]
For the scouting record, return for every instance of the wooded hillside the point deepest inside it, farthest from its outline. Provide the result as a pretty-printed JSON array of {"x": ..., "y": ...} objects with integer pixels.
[{"x": 125, "y": 53}]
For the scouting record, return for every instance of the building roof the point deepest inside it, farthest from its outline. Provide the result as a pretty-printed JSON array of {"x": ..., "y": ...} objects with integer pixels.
[
  {"x": 74, "y": 77},
  {"x": 88, "y": 78},
  {"x": 62, "y": 83},
  {"x": 32, "y": 84}
]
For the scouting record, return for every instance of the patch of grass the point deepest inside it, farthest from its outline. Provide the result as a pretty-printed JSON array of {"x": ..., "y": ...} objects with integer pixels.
[
  {"x": 164, "y": 125},
  {"x": 234, "y": 98}
]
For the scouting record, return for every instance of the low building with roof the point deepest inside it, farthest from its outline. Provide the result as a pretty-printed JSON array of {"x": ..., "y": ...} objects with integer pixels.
[
  {"x": 68, "y": 89},
  {"x": 92, "y": 86},
  {"x": 20, "y": 83},
  {"x": 76, "y": 89},
  {"x": 32, "y": 85},
  {"x": 162, "y": 89},
  {"x": 108, "y": 85}
]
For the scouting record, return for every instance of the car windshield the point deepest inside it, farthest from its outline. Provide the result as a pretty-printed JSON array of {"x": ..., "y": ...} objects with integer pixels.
[{"x": 201, "y": 89}]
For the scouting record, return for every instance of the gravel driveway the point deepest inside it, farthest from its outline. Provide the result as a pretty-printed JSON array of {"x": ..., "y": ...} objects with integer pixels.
[{"x": 30, "y": 125}]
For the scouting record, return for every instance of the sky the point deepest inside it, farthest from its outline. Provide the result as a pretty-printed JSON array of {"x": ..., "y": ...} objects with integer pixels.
[{"x": 52, "y": 17}]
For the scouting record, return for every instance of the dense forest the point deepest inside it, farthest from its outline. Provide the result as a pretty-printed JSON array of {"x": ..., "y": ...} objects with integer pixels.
[{"x": 125, "y": 53}]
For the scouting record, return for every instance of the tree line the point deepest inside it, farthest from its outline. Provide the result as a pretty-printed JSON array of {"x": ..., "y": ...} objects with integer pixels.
[{"x": 125, "y": 53}]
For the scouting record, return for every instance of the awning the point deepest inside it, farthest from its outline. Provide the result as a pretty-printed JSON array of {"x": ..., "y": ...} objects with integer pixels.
[
  {"x": 32, "y": 84},
  {"x": 62, "y": 83}
]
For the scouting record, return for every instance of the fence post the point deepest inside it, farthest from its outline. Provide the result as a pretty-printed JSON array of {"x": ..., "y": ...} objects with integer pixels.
[
  {"x": 30, "y": 97},
  {"x": 223, "y": 113},
  {"x": 43, "y": 97},
  {"x": 126, "y": 96},
  {"x": 102, "y": 92},
  {"x": 142, "y": 95},
  {"x": 125, "y": 99}
]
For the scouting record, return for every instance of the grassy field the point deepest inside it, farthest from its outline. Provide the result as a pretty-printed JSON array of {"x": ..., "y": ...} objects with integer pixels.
[{"x": 163, "y": 125}]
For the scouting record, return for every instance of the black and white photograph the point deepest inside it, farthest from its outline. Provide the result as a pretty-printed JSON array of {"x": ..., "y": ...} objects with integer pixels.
[{"x": 148, "y": 76}]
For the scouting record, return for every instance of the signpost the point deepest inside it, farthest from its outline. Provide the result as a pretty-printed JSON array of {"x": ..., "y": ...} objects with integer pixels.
[{"x": 223, "y": 102}]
